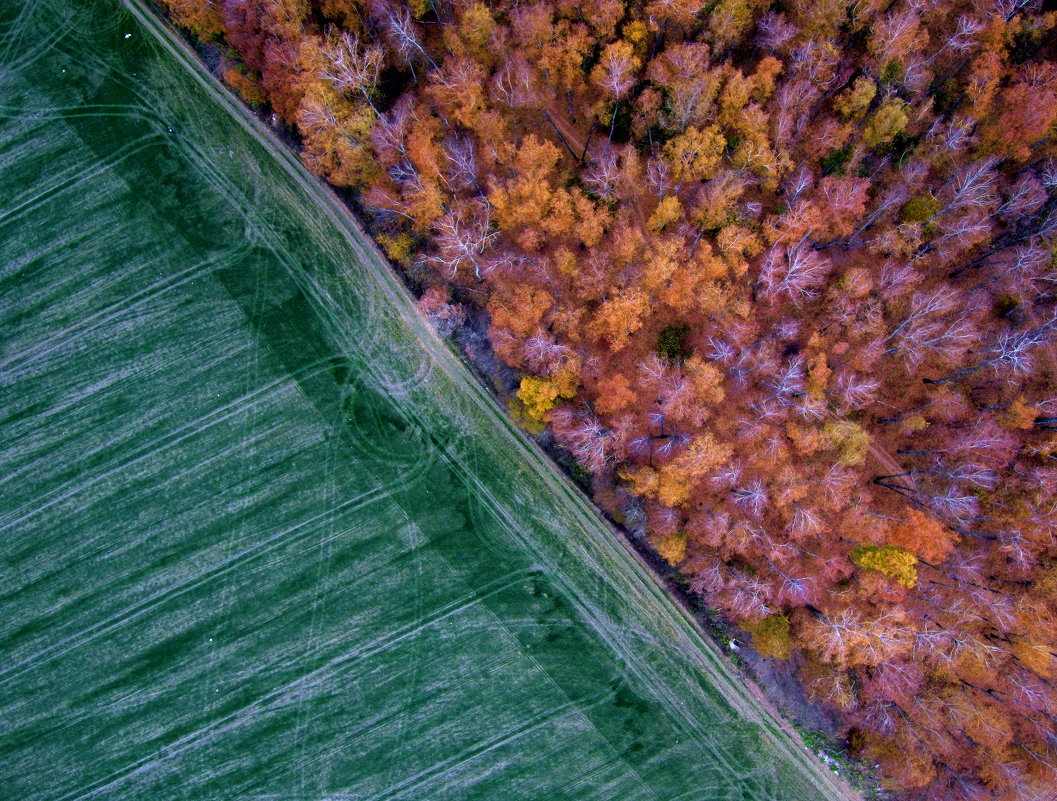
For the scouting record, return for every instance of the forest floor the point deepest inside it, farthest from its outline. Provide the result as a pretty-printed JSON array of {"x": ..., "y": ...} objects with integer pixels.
[{"x": 771, "y": 686}]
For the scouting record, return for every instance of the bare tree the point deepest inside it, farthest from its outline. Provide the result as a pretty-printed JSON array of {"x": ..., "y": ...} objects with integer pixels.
[
  {"x": 855, "y": 390},
  {"x": 935, "y": 323},
  {"x": 389, "y": 134},
  {"x": 752, "y": 498},
  {"x": 401, "y": 32},
  {"x": 460, "y": 155},
  {"x": 352, "y": 67},
  {"x": 603, "y": 172},
  {"x": 798, "y": 272},
  {"x": 1012, "y": 351},
  {"x": 461, "y": 237}
]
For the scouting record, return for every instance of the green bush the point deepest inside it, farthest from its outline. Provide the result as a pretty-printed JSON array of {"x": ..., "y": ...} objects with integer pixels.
[
  {"x": 892, "y": 73},
  {"x": 671, "y": 344},
  {"x": 834, "y": 162},
  {"x": 919, "y": 209}
]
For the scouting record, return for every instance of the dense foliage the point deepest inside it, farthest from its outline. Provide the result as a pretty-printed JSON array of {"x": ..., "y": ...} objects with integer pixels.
[{"x": 780, "y": 276}]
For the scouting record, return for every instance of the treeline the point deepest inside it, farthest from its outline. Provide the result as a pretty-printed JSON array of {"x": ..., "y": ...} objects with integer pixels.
[{"x": 781, "y": 276}]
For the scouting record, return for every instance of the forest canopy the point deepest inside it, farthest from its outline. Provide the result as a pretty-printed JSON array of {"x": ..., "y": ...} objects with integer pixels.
[{"x": 780, "y": 276}]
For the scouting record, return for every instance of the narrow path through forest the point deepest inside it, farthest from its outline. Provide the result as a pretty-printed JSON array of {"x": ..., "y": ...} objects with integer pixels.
[{"x": 887, "y": 461}]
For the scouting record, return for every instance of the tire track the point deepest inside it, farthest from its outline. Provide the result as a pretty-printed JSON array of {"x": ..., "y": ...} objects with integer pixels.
[
  {"x": 441, "y": 769},
  {"x": 240, "y": 559},
  {"x": 170, "y": 439},
  {"x": 85, "y": 325},
  {"x": 44, "y": 40},
  {"x": 276, "y": 698},
  {"x": 133, "y": 147}
]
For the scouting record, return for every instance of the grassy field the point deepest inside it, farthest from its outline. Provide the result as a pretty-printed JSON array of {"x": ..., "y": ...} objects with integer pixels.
[{"x": 262, "y": 536}]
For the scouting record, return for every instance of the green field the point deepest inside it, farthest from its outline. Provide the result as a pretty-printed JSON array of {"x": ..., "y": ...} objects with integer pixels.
[{"x": 263, "y": 537}]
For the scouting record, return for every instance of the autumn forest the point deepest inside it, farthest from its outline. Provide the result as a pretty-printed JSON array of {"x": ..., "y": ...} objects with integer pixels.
[{"x": 781, "y": 277}]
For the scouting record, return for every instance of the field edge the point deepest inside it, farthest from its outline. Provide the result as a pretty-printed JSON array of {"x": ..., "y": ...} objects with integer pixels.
[{"x": 739, "y": 691}]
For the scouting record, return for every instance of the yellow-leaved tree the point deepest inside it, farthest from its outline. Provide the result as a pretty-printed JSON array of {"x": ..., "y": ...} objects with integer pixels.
[
  {"x": 895, "y": 563},
  {"x": 695, "y": 154},
  {"x": 770, "y": 636}
]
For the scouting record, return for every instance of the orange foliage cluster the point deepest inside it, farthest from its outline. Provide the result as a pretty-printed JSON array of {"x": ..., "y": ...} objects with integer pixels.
[{"x": 849, "y": 210}]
